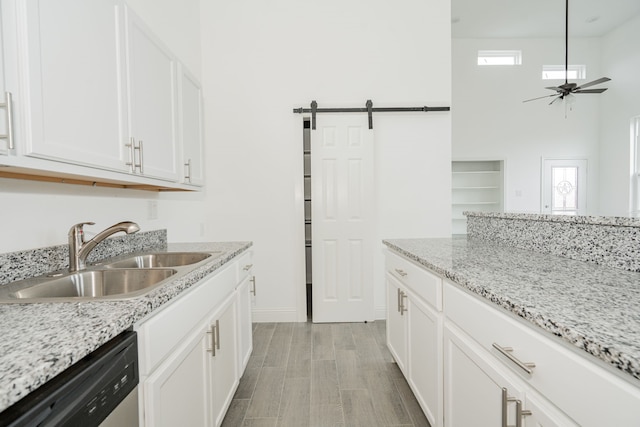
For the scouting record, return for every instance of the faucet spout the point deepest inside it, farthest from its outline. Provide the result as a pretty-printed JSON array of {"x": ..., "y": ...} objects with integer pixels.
[{"x": 79, "y": 249}]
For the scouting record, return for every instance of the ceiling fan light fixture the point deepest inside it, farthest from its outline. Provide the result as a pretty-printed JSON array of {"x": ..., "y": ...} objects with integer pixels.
[{"x": 568, "y": 89}]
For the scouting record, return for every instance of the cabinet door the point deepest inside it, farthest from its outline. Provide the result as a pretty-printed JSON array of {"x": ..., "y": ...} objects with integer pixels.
[
  {"x": 177, "y": 393},
  {"x": 224, "y": 371},
  {"x": 425, "y": 357},
  {"x": 191, "y": 127},
  {"x": 151, "y": 80},
  {"x": 4, "y": 142},
  {"x": 71, "y": 77},
  {"x": 396, "y": 324},
  {"x": 544, "y": 414},
  {"x": 245, "y": 339},
  {"x": 473, "y": 386}
]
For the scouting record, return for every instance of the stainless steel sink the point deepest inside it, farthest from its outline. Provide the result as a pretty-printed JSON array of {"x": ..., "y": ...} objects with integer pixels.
[
  {"x": 95, "y": 284},
  {"x": 123, "y": 277},
  {"x": 162, "y": 260}
]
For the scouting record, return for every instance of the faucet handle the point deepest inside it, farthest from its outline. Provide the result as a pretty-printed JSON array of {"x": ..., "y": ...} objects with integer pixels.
[{"x": 77, "y": 230}]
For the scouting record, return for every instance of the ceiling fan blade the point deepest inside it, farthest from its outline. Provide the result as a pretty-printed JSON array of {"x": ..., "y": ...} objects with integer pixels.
[
  {"x": 559, "y": 97},
  {"x": 557, "y": 89},
  {"x": 540, "y": 97},
  {"x": 595, "y": 82},
  {"x": 590, "y": 90}
]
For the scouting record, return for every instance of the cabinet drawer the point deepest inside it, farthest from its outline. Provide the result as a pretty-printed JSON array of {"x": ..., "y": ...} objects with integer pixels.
[
  {"x": 244, "y": 265},
  {"x": 422, "y": 283},
  {"x": 576, "y": 383},
  {"x": 161, "y": 333}
]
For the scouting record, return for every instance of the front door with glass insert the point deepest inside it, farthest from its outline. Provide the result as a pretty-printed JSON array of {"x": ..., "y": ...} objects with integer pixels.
[{"x": 564, "y": 186}]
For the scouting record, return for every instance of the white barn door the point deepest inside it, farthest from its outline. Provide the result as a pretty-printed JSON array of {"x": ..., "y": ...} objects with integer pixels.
[{"x": 342, "y": 197}]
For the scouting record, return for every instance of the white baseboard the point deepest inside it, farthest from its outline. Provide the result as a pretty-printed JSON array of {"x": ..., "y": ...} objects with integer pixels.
[
  {"x": 274, "y": 315},
  {"x": 282, "y": 315}
]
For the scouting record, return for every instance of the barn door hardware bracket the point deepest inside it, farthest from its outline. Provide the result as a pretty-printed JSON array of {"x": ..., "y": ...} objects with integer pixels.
[
  {"x": 314, "y": 110},
  {"x": 369, "y": 105}
]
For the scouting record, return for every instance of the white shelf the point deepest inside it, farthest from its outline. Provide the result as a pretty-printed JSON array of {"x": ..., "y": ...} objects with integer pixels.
[
  {"x": 475, "y": 172},
  {"x": 475, "y": 185},
  {"x": 474, "y": 203}
]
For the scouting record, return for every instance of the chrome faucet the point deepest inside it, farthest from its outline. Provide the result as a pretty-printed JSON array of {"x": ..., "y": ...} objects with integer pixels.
[{"x": 79, "y": 249}]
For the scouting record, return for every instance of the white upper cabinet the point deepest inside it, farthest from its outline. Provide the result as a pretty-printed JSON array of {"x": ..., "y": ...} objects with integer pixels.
[
  {"x": 151, "y": 77},
  {"x": 4, "y": 107},
  {"x": 191, "y": 126},
  {"x": 72, "y": 89},
  {"x": 97, "y": 94}
]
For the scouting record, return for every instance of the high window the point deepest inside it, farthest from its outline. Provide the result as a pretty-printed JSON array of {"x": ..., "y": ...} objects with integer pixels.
[
  {"x": 499, "y": 57},
  {"x": 556, "y": 72}
]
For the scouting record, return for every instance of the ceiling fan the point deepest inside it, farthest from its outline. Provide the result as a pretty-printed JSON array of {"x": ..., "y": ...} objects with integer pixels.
[{"x": 567, "y": 88}]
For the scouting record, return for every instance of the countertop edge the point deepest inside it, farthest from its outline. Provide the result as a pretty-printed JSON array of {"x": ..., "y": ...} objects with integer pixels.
[
  {"x": 625, "y": 363},
  {"x": 104, "y": 326}
]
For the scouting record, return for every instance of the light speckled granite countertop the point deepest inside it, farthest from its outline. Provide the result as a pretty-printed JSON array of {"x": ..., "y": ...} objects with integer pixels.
[
  {"x": 39, "y": 341},
  {"x": 592, "y": 307}
]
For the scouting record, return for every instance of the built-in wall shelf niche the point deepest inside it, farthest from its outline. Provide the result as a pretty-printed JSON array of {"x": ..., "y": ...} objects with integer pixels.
[{"x": 476, "y": 185}]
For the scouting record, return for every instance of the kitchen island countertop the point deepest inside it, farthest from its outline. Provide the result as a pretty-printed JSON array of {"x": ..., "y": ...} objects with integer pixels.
[
  {"x": 593, "y": 308},
  {"x": 39, "y": 341}
]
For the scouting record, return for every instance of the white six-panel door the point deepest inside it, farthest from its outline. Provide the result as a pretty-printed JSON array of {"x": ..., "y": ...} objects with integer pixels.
[{"x": 342, "y": 194}]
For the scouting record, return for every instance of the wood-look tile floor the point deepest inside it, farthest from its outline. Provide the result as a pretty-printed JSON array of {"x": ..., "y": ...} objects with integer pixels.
[{"x": 319, "y": 375}]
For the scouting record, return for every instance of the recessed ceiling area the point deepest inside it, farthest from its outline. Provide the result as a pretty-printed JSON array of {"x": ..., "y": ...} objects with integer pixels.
[{"x": 538, "y": 18}]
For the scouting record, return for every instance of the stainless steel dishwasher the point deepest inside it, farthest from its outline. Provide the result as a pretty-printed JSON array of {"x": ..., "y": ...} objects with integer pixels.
[{"x": 99, "y": 390}]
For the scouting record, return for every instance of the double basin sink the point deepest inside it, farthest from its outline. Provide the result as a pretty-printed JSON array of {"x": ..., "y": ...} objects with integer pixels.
[{"x": 120, "y": 278}]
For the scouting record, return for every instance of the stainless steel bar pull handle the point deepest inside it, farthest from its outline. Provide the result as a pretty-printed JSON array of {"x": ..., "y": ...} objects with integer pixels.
[
  {"x": 401, "y": 272},
  {"x": 505, "y": 401},
  {"x": 187, "y": 174},
  {"x": 399, "y": 301},
  {"x": 520, "y": 413},
  {"x": 507, "y": 352},
  {"x": 141, "y": 153},
  {"x": 217, "y": 335},
  {"x": 132, "y": 155},
  {"x": 212, "y": 332},
  {"x": 403, "y": 308},
  {"x": 505, "y": 406},
  {"x": 8, "y": 106},
  {"x": 253, "y": 288}
]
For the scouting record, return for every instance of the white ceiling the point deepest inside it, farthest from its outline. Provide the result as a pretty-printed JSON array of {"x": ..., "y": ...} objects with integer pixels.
[{"x": 538, "y": 18}]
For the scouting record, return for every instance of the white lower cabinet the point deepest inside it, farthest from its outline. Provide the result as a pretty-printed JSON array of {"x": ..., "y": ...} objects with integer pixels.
[
  {"x": 480, "y": 392},
  {"x": 246, "y": 291},
  {"x": 396, "y": 323},
  {"x": 475, "y": 392},
  {"x": 223, "y": 358},
  {"x": 177, "y": 393},
  {"x": 190, "y": 353},
  {"x": 414, "y": 332},
  {"x": 470, "y": 363},
  {"x": 425, "y": 356},
  {"x": 562, "y": 387},
  {"x": 245, "y": 330}
]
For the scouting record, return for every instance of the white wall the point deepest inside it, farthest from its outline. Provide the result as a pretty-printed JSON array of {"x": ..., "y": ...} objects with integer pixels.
[
  {"x": 621, "y": 62},
  {"x": 35, "y": 214},
  {"x": 260, "y": 60},
  {"x": 490, "y": 121},
  {"x": 177, "y": 23}
]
